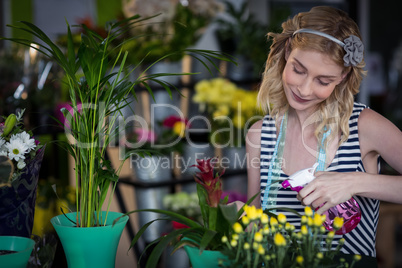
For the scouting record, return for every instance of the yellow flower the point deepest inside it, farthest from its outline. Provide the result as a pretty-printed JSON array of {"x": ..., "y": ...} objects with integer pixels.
[
  {"x": 342, "y": 241},
  {"x": 338, "y": 223},
  {"x": 308, "y": 211},
  {"x": 288, "y": 227},
  {"x": 274, "y": 221},
  {"x": 309, "y": 221},
  {"x": 320, "y": 255},
  {"x": 323, "y": 230},
  {"x": 264, "y": 218},
  {"x": 304, "y": 230},
  {"x": 282, "y": 218},
  {"x": 331, "y": 234},
  {"x": 179, "y": 128},
  {"x": 279, "y": 240},
  {"x": 259, "y": 213},
  {"x": 299, "y": 259},
  {"x": 221, "y": 112},
  {"x": 224, "y": 239},
  {"x": 237, "y": 227},
  {"x": 235, "y": 236},
  {"x": 265, "y": 230},
  {"x": 245, "y": 220},
  {"x": 246, "y": 246},
  {"x": 233, "y": 243},
  {"x": 304, "y": 219},
  {"x": 261, "y": 250},
  {"x": 258, "y": 237},
  {"x": 299, "y": 235},
  {"x": 251, "y": 212},
  {"x": 357, "y": 257},
  {"x": 317, "y": 220}
]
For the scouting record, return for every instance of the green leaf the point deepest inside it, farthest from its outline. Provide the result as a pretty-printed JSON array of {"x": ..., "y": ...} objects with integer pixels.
[
  {"x": 212, "y": 218},
  {"x": 204, "y": 207},
  {"x": 229, "y": 212},
  {"x": 207, "y": 238}
]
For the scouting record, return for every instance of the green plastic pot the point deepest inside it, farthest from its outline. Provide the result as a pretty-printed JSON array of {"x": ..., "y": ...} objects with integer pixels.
[
  {"x": 208, "y": 258},
  {"x": 90, "y": 246},
  {"x": 23, "y": 247}
]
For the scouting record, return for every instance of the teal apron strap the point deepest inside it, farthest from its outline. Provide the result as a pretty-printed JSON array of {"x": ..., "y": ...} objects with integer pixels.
[
  {"x": 275, "y": 166},
  {"x": 322, "y": 154}
]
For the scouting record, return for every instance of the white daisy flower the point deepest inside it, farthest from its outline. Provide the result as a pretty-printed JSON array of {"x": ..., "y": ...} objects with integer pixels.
[
  {"x": 26, "y": 139},
  {"x": 21, "y": 164},
  {"x": 16, "y": 149},
  {"x": 2, "y": 141}
]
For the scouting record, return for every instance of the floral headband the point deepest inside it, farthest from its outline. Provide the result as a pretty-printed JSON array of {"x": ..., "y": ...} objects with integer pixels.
[{"x": 352, "y": 45}]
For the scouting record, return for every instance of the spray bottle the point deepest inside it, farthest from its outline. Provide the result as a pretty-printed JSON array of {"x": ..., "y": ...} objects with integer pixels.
[{"x": 348, "y": 210}]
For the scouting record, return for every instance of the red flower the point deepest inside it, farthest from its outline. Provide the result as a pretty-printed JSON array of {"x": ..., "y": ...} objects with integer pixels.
[
  {"x": 171, "y": 120},
  {"x": 211, "y": 183}
]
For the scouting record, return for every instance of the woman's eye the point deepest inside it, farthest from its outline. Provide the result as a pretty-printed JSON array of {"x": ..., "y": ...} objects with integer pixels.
[
  {"x": 297, "y": 71},
  {"x": 323, "y": 83}
]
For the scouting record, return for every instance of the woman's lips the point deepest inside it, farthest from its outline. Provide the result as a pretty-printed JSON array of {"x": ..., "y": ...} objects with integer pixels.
[{"x": 298, "y": 99}]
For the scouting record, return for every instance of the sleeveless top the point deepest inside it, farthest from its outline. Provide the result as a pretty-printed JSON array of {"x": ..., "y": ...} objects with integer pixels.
[{"x": 360, "y": 240}]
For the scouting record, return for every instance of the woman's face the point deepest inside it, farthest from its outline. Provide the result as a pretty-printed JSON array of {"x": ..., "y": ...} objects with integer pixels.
[{"x": 309, "y": 78}]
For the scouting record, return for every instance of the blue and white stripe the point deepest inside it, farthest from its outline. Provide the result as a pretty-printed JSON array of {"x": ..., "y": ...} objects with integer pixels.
[{"x": 347, "y": 159}]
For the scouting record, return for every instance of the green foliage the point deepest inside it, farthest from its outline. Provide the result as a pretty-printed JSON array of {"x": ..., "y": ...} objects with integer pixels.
[
  {"x": 243, "y": 35},
  {"x": 99, "y": 86},
  {"x": 217, "y": 222}
]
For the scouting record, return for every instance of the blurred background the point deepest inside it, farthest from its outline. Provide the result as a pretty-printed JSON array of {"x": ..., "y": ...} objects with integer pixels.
[{"x": 237, "y": 27}]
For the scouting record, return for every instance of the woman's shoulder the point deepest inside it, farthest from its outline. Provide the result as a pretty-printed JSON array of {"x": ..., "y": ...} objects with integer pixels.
[{"x": 377, "y": 133}]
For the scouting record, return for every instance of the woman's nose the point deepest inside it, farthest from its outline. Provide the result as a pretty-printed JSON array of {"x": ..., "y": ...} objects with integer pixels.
[{"x": 304, "y": 88}]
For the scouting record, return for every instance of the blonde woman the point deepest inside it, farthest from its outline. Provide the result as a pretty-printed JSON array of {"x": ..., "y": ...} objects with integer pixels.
[{"x": 312, "y": 75}]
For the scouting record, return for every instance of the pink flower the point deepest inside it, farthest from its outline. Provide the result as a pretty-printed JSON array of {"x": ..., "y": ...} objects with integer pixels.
[
  {"x": 172, "y": 120},
  {"x": 145, "y": 135},
  {"x": 211, "y": 183}
]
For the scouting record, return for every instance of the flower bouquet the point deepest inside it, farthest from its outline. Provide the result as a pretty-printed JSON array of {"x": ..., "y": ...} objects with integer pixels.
[
  {"x": 259, "y": 240},
  {"x": 21, "y": 158}
]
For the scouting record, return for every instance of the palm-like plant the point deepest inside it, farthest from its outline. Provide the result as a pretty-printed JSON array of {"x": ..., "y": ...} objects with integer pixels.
[{"x": 97, "y": 95}]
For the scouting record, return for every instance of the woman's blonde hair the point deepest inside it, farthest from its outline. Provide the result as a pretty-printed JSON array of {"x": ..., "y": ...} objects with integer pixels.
[{"x": 335, "y": 111}]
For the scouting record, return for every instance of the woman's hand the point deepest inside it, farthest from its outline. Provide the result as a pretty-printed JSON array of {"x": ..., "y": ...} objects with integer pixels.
[{"x": 327, "y": 190}]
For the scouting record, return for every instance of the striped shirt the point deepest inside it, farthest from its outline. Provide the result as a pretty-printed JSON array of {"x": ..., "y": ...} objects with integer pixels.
[{"x": 361, "y": 240}]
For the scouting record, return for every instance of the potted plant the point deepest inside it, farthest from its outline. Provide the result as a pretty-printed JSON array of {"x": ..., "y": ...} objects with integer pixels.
[
  {"x": 99, "y": 87},
  {"x": 21, "y": 161},
  {"x": 231, "y": 111},
  {"x": 217, "y": 218}
]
